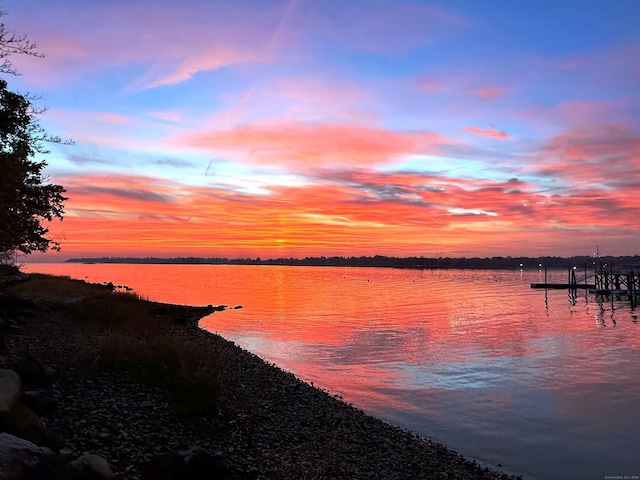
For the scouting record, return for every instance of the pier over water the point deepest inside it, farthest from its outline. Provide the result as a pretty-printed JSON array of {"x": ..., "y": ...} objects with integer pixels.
[{"x": 624, "y": 281}]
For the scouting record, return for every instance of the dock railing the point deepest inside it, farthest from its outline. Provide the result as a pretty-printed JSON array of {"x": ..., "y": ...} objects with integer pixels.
[{"x": 620, "y": 282}]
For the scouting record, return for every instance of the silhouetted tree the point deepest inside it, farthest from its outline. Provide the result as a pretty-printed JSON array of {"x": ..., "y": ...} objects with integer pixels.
[{"x": 26, "y": 200}]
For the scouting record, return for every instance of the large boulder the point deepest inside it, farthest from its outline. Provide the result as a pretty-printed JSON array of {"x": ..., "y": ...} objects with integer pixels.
[
  {"x": 12, "y": 307},
  {"x": 22, "y": 460},
  {"x": 88, "y": 467},
  {"x": 31, "y": 370},
  {"x": 41, "y": 403},
  {"x": 26, "y": 424},
  {"x": 10, "y": 390}
]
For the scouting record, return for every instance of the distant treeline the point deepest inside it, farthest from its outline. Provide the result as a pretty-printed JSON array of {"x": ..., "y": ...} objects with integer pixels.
[{"x": 384, "y": 261}]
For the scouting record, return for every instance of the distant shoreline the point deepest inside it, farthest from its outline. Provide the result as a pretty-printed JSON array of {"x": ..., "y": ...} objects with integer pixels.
[{"x": 498, "y": 263}]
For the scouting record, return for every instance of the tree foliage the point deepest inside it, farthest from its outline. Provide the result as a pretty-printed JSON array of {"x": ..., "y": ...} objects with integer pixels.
[{"x": 26, "y": 199}]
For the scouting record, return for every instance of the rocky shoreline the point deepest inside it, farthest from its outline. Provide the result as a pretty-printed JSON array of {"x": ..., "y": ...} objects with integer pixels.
[{"x": 266, "y": 424}]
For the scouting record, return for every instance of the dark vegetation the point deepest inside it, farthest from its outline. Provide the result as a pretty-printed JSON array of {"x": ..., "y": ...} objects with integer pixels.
[
  {"x": 384, "y": 261},
  {"x": 119, "y": 331}
]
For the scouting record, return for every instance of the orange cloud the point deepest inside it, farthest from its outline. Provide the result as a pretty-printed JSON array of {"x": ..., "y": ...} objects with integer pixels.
[
  {"x": 355, "y": 213},
  {"x": 488, "y": 132}
]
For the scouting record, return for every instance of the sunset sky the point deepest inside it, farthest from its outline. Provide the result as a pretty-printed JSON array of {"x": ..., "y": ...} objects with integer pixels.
[{"x": 320, "y": 127}]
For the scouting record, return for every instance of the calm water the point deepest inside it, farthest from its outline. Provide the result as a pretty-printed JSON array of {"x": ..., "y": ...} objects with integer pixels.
[{"x": 546, "y": 385}]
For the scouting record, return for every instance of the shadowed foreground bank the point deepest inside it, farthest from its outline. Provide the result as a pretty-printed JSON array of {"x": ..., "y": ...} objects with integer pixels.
[{"x": 136, "y": 382}]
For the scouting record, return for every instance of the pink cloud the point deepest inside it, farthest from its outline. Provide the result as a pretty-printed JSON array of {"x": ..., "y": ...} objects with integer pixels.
[
  {"x": 112, "y": 130},
  {"x": 588, "y": 113},
  {"x": 205, "y": 61},
  {"x": 318, "y": 90},
  {"x": 490, "y": 93},
  {"x": 429, "y": 84},
  {"x": 317, "y": 99},
  {"x": 171, "y": 116},
  {"x": 573, "y": 114},
  {"x": 461, "y": 84},
  {"x": 488, "y": 132},
  {"x": 170, "y": 41},
  {"x": 598, "y": 156},
  {"x": 612, "y": 63},
  {"x": 112, "y": 118},
  {"x": 302, "y": 146}
]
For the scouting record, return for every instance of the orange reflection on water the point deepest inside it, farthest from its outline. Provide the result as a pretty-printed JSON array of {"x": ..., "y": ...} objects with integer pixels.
[{"x": 376, "y": 328}]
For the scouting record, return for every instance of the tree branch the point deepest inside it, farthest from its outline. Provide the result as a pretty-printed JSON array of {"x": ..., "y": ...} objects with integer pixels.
[{"x": 12, "y": 43}]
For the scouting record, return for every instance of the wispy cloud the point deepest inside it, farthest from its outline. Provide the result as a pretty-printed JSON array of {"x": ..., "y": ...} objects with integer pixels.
[
  {"x": 488, "y": 132},
  {"x": 209, "y": 60},
  {"x": 490, "y": 93},
  {"x": 167, "y": 116},
  {"x": 172, "y": 43}
]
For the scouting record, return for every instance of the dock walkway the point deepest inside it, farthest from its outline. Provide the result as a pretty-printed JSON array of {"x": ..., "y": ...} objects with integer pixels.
[{"x": 627, "y": 283}]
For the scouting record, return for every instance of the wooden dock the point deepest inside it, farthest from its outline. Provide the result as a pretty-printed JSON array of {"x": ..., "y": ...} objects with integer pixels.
[
  {"x": 603, "y": 283},
  {"x": 561, "y": 286}
]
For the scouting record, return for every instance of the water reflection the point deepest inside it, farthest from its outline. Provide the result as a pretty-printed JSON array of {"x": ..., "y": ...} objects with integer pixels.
[
  {"x": 475, "y": 359},
  {"x": 607, "y": 308}
]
